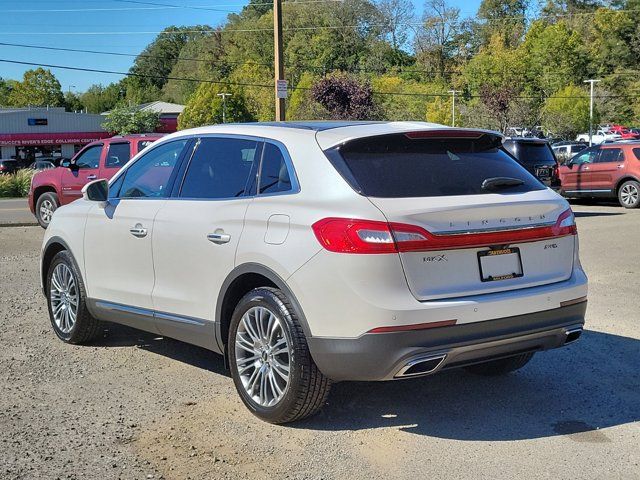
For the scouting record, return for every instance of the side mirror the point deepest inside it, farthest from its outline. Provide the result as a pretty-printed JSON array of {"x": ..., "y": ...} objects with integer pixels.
[
  {"x": 96, "y": 191},
  {"x": 66, "y": 163}
]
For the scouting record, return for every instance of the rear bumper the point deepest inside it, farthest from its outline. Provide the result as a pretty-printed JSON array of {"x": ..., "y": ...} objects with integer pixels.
[{"x": 384, "y": 356}]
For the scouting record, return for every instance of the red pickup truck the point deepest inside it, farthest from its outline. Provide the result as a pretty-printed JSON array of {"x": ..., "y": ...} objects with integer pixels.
[{"x": 62, "y": 185}]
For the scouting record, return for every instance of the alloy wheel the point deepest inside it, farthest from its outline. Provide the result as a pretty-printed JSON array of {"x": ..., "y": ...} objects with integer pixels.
[
  {"x": 263, "y": 356},
  {"x": 629, "y": 194},
  {"x": 63, "y": 297},
  {"x": 46, "y": 211}
]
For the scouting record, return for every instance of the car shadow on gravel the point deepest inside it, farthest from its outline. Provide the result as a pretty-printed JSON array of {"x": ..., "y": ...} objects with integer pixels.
[
  {"x": 122, "y": 336},
  {"x": 573, "y": 391}
]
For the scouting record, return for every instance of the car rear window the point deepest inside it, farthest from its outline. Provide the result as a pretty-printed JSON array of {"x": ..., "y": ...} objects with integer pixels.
[
  {"x": 396, "y": 166},
  {"x": 531, "y": 154}
]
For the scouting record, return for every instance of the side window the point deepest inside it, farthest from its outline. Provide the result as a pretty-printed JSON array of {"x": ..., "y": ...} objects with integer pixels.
[
  {"x": 220, "y": 168},
  {"x": 90, "y": 158},
  {"x": 142, "y": 144},
  {"x": 608, "y": 155},
  {"x": 588, "y": 156},
  {"x": 117, "y": 155},
  {"x": 636, "y": 152},
  {"x": 274, "y": 174},
  {"x": 149, "y": 175}
]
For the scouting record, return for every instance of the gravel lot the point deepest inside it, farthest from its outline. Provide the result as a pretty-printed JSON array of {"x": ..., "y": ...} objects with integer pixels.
[{"x": 136, "y": 406}]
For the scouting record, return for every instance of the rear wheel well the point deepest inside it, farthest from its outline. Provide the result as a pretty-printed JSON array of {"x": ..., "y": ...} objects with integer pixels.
[
  {"x": 622, "y": 181},
  {"x": 238, "y": 289},
  {"x": 40, "y": 190},
  {"x": 51, "y": 251}
]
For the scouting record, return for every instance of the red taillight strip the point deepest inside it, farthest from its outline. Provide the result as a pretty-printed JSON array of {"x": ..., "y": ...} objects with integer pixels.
[{"x": 415, "y": 326}]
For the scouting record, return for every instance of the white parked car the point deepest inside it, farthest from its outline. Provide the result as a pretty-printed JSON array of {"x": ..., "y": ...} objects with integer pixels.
[
  {"x": 308, "y": 253},
  {"x": 598, "y": 137}
]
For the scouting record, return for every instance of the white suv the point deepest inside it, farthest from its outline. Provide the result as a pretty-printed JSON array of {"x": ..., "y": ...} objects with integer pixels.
[{"x": 307, "y": 253}]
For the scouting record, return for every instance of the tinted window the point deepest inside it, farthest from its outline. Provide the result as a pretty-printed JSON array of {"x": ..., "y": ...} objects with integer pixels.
[
  {"x": 610, "y": 155},
  {"x": 397, "y": 166},
  {"x": 636, "y": 152},
  {"x": 577, "y": 148},
  {"x": 149, "y": 175},
  {"x": 220, "y": 168},
  {"x": 144, "y": 143},
  {"x": 531, "y": 154},
  {"x": 90, "y": 158},
  {"x": 118, "y": 155},
  {"x": 274, "y": 174}
]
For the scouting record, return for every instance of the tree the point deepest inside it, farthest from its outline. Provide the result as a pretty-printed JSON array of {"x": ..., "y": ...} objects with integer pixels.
[
  {"x": 506, "y": 18},
  {"x": 498, "y": 101},
  {"x": 72, "y": 102},
  {"x": 205, "y": 107},
  {"x": 435, "y": 41},
  {"x": 39, "y": 88},
  {"x": 345, "y": 98},
  {"x": 124, "y": 121},
  {"x": 396, "y": 15},
  {"x": 99, "y": 99},
  {"x": 5, "y": 91},
  {"x": 567, "y": 113}
]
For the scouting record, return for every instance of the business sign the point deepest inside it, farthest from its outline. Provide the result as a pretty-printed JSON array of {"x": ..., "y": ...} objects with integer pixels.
[
  {"x": 281, "y": 89},
  {"x": 32, "y": 139},
  {"x": 37, "y": 121}
]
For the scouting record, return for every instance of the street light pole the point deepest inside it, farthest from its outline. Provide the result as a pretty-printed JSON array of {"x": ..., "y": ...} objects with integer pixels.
[
  {"x": 279, "y": 65},
  {"x": 224, "y": 105},
  {"x": 591, "y": 82},
  {"x": 453, "y": 106}
]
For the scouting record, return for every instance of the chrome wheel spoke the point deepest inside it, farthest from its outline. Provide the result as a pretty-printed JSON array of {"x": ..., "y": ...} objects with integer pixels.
[
  {"x": 262, "y": 356},
  {"x": 63, "y": 298}
]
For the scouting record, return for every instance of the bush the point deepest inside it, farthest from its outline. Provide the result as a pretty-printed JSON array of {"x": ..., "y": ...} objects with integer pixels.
[{"x": 16, "y": 184}]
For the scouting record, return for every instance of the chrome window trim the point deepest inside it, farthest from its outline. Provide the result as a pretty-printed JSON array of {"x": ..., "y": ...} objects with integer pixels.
[
  {"x": 295, "y": 184},
  {"x": 145, "y": 312}
]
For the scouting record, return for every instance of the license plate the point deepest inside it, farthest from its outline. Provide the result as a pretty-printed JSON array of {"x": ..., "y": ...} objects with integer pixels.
[
  {"x": 543, "y": 172},
  {"x": 500, "y": 264}
]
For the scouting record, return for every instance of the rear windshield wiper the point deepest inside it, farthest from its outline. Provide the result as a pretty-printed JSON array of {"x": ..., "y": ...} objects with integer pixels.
[{"x": 496, "y": 183}]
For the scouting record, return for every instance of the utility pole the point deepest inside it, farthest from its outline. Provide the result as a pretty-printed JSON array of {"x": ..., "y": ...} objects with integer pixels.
[
  {"x": 453, "y": 106},
  {"x": 224, "y": 105},
  {"x": 279, "y": 65},
  {"x": 591, "y": 82}
]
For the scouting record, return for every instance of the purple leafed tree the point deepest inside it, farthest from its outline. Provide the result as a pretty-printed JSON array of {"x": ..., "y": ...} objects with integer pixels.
[
  {"x": 345, "y": 98},
  {"x": 498, "y": 102}
]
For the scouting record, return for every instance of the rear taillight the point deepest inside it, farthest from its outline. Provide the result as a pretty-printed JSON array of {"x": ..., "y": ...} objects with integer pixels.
[{"x": 347, "y": 235}]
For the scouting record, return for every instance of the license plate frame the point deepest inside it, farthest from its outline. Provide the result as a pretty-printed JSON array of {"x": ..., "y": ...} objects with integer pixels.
[
  {"x": 496, "y": 252},
  {"x": 543, "y": 172}
]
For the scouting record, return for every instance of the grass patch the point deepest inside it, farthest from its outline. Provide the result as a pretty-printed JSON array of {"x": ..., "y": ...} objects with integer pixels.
[{"x": 17, "y": 184}]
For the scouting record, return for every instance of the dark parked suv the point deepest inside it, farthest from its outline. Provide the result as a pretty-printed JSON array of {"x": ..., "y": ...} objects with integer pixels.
[{"x": 537, "y": 157}]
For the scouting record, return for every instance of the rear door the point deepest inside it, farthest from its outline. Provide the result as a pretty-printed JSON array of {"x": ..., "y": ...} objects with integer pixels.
[
  {"x": 607, "y": 167},
  {"x": 468, "y": 219},
  {"x": 196, "y": 234},
  {"x": 574, "y": 175},
  {"x": 117, "y": 155},
  {"x": 87, "y": 168}
]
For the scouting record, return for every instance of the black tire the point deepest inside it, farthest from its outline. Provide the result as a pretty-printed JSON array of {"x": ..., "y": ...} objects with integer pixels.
[
  {"x": 46, "y": 201},
  {"x": 501, "y": 366},
  {"x": 629, "y": 194},
  {"x": 85, "y": 327},
  {"x": 307, "y": 388}
]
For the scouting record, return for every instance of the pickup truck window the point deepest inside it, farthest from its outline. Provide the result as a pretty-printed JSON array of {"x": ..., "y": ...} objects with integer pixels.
[
  {"x": 90, "y": 158},
  {"x": 118, "y": 155}
]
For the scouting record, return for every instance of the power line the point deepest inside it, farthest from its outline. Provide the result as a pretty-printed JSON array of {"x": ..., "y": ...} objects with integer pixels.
[{"x": 262, "y": 85}]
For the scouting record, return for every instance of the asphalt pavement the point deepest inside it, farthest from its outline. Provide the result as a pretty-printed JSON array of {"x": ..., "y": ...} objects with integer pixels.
[{"x": 15, "y": 212}]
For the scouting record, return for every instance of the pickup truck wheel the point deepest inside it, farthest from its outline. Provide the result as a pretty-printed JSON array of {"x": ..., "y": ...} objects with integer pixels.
[
  {"x": 501, "y": 366},
  {"x": 270, "y": 362},
  {"x": 45, "y": 206},
  {"x": 66, "y": 299},
  {"x": 629, "y": 194}
]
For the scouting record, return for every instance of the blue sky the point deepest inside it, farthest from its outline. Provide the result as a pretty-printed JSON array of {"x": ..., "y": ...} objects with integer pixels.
[{"x": 49, "y": 23}]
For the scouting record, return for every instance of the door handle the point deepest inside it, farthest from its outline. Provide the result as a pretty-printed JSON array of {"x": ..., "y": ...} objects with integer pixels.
[
  {"x": 92, "y": 177},
  {"x": 586, "y": 168},
  {"x": 620, "y": 167},
  {"x": 138, "y": 231},
  {"x": 219, "y": 238}
]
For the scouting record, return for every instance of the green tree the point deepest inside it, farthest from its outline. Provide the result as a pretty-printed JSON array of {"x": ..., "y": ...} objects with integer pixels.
[
  {"x": 437, "y": 40},
  {"x": 99, "y": 99},
  {"x": 5, "y": 91},
  {"x": 567, "y": 113},
  {"x": 39, "y": 88},
  {"x": 506, "y": 18},
  {"x": 124, "y": 121},
  {"x": 205, "y": 107},
  {"x": 72, "y": 102}
]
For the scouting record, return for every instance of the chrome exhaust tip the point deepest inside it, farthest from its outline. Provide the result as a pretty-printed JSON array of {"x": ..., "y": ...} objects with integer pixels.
[
  {"x": 421, "y": 366},
  {"x": 572, "y": 335}
]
